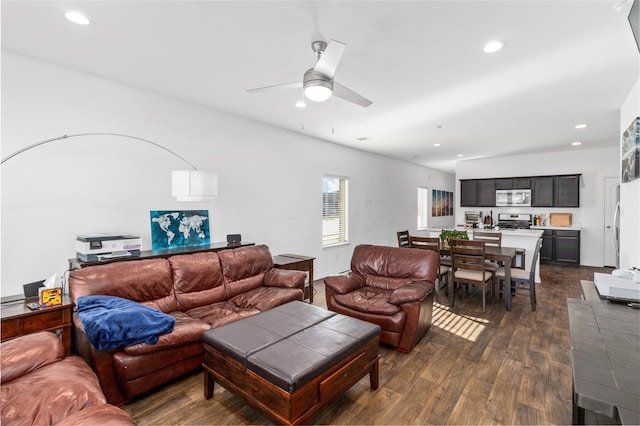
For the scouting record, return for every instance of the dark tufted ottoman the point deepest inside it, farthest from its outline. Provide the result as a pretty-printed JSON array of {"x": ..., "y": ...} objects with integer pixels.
[{"x": 290, "y": 362}]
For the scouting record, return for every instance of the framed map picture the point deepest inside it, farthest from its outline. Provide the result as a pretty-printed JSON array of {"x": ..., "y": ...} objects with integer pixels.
[
  {"x": 631, "y": 152},
  {"x": 179, "y": 228}
]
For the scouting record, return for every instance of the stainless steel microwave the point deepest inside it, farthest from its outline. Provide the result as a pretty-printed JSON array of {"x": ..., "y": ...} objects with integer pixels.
[{"x": 513, "y": 197}]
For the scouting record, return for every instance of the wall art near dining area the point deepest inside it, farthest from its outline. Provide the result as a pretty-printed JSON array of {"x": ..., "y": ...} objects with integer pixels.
[
  {"x": 441, "y": 203},
  {"x": 631, "y": 152},
  {"x": 179, "y": 228}
]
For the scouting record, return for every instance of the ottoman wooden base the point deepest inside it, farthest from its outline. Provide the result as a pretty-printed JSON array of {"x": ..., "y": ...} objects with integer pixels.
[
  {"x": 303, "y": 404},
  {"x": 292, "y": 361}
]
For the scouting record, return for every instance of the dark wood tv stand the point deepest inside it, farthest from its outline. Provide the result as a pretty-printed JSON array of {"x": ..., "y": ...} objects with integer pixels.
[{"x": 75, "y": 263}]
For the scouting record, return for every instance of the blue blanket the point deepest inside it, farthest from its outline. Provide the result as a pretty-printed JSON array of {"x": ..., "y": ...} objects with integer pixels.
[{"x": 110, "y": 322}]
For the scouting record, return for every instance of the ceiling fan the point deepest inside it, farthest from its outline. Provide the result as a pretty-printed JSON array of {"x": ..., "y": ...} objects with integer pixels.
[{"x": 318, "y": 84}]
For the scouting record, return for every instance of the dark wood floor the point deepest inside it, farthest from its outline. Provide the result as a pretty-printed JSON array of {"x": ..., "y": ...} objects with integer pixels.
[{"x": 471, "y": 368}]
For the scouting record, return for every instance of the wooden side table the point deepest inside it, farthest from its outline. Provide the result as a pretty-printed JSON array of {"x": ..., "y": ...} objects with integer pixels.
[
  {"x": 298, "y": 263},
  {"x": 18, "y": 320}
]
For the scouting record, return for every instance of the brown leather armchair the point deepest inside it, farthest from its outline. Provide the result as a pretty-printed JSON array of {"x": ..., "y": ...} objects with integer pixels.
[
  {"x": 389, "y": 286},
  {"x": 40, "y": 386}
]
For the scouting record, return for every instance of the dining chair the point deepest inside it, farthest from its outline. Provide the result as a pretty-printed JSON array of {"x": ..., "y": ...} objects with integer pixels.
[
  {"x": 403, "y": 239},
  {"x": 522, "y": 279},
  {"x": 491, "y": 238},
  {"x": 433, "y": 244},
  {"x": 469, "y": 266}
]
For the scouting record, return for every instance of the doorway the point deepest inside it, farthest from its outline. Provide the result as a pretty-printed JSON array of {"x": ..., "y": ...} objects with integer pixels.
[{"x": 611, "y": 221}]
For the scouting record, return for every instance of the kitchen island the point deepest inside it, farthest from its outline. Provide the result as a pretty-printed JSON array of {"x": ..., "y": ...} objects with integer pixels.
[{"x": 519, "y": 238}]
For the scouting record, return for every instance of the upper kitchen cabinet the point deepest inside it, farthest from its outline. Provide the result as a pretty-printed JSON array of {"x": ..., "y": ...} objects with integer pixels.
[
  {"x": 546, "y": 191},
  {"x": 468, "y": 190},
  {"x": 566, "y": 191},
  {"x": 555, "y": 191},
  {"x": 513, "y": 183},
  {"x": 542, "y": 191},
  {"x": 486, "y": 195},
  {"x": 478, "y": 193}
]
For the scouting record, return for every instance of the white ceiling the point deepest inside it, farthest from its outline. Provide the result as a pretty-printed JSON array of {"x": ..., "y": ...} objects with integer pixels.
[{"x": 420, "y": 62}]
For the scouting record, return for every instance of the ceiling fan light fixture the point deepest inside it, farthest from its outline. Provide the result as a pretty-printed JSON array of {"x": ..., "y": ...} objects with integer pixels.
[{"x": 318, "y": 90}]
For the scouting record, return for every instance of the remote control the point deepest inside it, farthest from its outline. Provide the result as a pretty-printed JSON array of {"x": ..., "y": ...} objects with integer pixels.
[{"x": 33, "y": 306}]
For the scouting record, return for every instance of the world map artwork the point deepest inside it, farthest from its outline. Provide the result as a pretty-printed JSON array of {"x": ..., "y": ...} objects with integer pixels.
[{"x": 179, "y": 228}]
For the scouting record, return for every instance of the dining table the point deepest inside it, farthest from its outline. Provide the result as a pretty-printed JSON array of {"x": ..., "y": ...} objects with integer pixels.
[{"x": 504, "y": 255}]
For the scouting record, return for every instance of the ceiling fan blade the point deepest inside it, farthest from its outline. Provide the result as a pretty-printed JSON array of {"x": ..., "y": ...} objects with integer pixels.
[
  {"x": 297, "y": 85},
  {"x": 349, "y": 95},
  {"x": 330, "y": 58}
]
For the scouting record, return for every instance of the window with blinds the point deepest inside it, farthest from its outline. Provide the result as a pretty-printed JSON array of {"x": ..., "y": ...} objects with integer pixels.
[
  {"x": 423, "y": 207},
  {"x": 334, "y": 210}
]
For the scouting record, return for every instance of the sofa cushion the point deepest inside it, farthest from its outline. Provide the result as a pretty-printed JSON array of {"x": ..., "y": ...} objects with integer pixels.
[
  {"x": 198, "y": 280},
  {"x": 222, "y": 313},
  {"x": 264, "y": 298},
  {"x": 148, "y": 281},
  {"x": 386, "y": 283},
  {"x": 244, "y": 268},
  {"x": 51, "y": 393},
  {"x": 369, "y": 300},
  {"x": 186, "y": 330}
]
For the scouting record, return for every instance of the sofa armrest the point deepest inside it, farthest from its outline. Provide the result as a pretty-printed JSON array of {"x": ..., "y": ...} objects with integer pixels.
[
  {"x": 412, "y": 292},
  {"x": 342, "y": 284},
  {"x": 285, "y": 278},
  {"x": 25, "y": 354}
]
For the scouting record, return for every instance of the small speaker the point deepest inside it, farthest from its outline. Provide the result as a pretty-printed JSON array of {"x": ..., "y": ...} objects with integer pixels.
[
  {"x": 31, "y": 289},
  {"x": 234, "y": 239}
]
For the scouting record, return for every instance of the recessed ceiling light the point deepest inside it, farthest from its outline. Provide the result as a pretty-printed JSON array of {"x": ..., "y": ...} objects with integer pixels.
[
  {"x": 436, "y": 144},
  {"x": 459, "y": 155},
  {"x": 301, "y": 104},
  {"x": 362, "y": 139},
  {"x": 441, "y": 126},
  {"x": 576, "y": 143},
  {"x": 581, "y": 126},
  {"x": 77, "y": 18},
  {"x": 493, "y": 46}
]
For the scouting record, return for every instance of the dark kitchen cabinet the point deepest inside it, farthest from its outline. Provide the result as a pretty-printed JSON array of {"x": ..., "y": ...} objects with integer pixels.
[
  {"x": 546, "y": 251},
  {"x": 504, "y": 183},
  {"x": 560, "y": 247},
  {"x": 513, "y": 183},
  {"x": 521, "y": 183},
  {"x": 486, "y": 193},
  {"x": 468, "y": 190},
  {"x": 566, "y": 191},
  {"x": 542, "y": 191},
  {"x": 567, "y": 246}
]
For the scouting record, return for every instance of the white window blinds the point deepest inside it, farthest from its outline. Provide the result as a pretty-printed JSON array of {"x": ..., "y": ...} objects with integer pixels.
[
  {"x": 423, "y": 207},
  {"x": 334, "y": 210}
]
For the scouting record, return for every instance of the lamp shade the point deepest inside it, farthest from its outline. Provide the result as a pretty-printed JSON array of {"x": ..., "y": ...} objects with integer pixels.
[{"x": 191, "y": 185}]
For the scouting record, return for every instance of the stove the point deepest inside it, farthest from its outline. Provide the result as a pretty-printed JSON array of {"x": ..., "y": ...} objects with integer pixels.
[{"x": 514, "y": 220}]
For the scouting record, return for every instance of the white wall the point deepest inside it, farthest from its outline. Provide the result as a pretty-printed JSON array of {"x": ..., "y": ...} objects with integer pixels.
[
  {"x": 269, "y": 179},
  {"x": 630, "y": 192},
  {"x": 593, "y": 164}
]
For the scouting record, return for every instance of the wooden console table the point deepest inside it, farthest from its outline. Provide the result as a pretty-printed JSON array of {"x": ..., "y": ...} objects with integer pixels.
[
  {"x": 605, "y": 344},
  {"x": 75, "y": 263},
  {"x": 18, "y": 320},
  {"x": 298, "y": 263}
]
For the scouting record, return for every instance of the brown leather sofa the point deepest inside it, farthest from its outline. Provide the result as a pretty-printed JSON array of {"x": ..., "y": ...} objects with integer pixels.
[
  {"x": 200, "y": 290},
  {"x": 40, "y": 386},
  {"x": 389, "y": 286}
]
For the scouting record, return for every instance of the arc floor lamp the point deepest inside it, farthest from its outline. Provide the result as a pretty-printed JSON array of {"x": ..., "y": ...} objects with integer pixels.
[{"x": 186, "y": 185}]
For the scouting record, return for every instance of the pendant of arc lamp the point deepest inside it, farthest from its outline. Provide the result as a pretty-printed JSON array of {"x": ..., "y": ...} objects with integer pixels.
[{"x": 192, "y": 185}]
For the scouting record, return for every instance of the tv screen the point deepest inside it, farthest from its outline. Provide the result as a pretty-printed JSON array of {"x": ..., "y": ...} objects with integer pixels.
[{"x": 634, "y": 21}]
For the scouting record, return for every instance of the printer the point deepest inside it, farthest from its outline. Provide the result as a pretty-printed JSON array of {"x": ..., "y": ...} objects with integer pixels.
[{"x": 96, "y": 247}]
